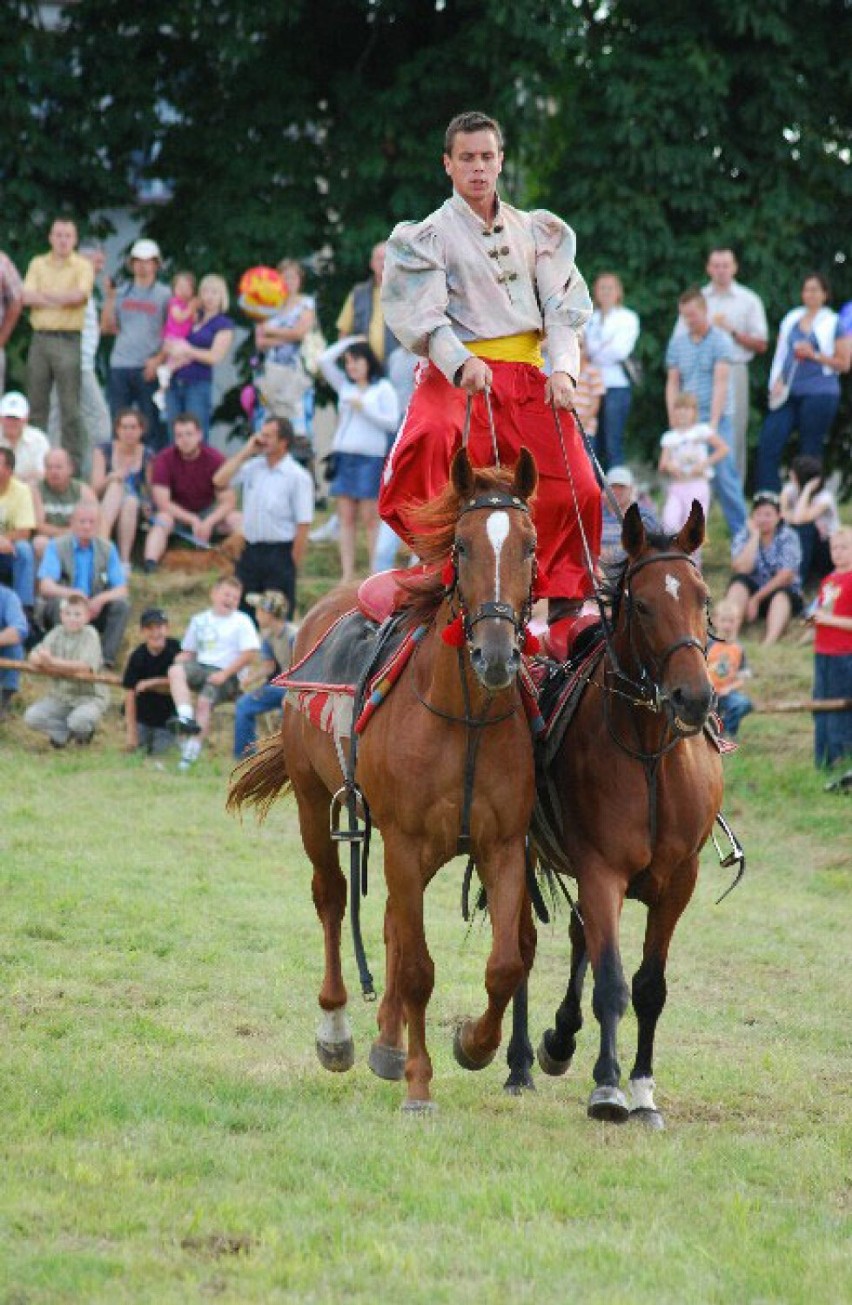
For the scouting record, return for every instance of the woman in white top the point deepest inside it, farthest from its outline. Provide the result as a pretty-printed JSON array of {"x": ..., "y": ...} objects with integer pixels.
[
  {"x": 368, "y": 416},
  {"x": 611, "y": 337},
  {"x": 811, "y": 510}
]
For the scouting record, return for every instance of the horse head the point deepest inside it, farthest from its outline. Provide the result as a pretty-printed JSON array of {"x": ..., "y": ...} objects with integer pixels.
[
  {"x": 663, "y": 619},
  {"x": 493, "y": 561}
]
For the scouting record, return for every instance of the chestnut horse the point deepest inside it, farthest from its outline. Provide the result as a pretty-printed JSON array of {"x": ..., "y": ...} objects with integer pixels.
[
  {"x": 451, "y": 746},
  {"x": 638, "y": 785}
]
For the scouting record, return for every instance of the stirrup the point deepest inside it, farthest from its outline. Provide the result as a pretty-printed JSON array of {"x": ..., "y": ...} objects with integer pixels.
[{"x": 357, "y": 833}]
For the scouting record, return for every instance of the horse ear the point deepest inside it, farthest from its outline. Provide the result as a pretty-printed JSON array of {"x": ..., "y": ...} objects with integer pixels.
[
  {"x": 633, "y": 531},
  {"x": 526, "y": 475},
  {"x": 461, "y": 475},
  {"x": 691, "y": 535}
]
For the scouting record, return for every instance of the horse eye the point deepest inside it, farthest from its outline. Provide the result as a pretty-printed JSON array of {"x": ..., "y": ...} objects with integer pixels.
[{"x": 642, "y": 607}]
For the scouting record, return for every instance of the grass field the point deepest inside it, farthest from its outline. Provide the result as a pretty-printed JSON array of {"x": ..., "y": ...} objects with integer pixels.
[{"x": 169, "y": 1136}]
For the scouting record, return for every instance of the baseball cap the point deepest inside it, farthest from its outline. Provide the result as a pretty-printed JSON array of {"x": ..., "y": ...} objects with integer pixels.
[
  {"x": 271, "y": 601},
  {"x": 620, "y": 476},
  {"x": 766, "y": 496},
  {"x": 153, "y": 616},
  {"x": 14, "y": 404},
  {"x": 146, "y": 249}
]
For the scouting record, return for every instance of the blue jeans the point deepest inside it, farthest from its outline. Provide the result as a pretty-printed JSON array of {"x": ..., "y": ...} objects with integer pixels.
[
  {"x": 388, "y": 545},
  {"x": 11, "y": 679},
  {"x": 726, "y": 482},
  {"x": 832, "y": 729},
  {"x": 809, "y": 414},
  {"x": 189, "y": 396},
  {"x": 732, "y": 708},
  {"x": 247, "y": 709},
  {"x": 127, "y": 388},
  {"x": 615, "y": 405},
  {"x": 17, "y": 570}
]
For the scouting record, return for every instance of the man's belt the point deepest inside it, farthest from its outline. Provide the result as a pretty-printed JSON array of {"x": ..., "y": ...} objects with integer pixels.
[{"x": 523, "y": 348}]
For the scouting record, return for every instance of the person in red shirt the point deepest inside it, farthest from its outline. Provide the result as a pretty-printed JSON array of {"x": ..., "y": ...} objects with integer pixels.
[
  {"x": 186, "y": 502},
  {"x": 833, "y": 652}
]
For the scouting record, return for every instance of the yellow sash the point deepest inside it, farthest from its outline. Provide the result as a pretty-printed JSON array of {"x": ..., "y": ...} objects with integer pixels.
[{"x": 525, "y": 348}]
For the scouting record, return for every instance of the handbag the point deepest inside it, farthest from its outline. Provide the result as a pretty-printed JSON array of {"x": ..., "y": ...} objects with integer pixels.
[
  {"x": 778, "y": 397},
  {"x": 282, "y": 389},
  {"x": 330, "y": 464}
]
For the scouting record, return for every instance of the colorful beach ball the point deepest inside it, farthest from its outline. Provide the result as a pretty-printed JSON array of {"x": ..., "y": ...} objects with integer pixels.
[{"x": 262, "y": 292}]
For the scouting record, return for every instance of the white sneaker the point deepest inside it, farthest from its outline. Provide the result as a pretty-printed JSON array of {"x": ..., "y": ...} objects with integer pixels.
[
  {"x": 327, "y": 533},
  {"x": 160, "y": 400},
  {"x": 189, "y": 754}
]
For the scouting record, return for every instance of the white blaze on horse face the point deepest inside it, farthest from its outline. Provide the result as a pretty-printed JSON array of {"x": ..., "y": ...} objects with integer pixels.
[
  {"x": 497, "y": 529},
  {"x": 673, "y": 586}
]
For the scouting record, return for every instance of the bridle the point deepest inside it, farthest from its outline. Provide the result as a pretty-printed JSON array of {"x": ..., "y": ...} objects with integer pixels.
[{"x": 492, "y": 501}]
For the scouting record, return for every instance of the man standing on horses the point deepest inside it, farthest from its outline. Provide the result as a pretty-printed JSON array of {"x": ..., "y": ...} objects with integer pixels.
[{"x": 476, "y": 289}]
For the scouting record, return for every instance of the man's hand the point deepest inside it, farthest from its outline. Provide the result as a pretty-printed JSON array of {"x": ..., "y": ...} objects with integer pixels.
[
  {"x": 217, "y": 678},
  {"x": 96, "y": 605},
  {"x": 149, "y": 369},
  {"x": 753, "y": 607},
  {"x": 559, "y": 390},
  {"x": 6, "y": 545},
  {"x": 475, "y": 376},
  {"x": 202, "y": 530}
]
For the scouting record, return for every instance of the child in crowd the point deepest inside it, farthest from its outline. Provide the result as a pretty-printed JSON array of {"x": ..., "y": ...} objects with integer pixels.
[
  {"x": 148, "y": 703},
  {"x": 217, "y": 649},
  {"x": 689, "y": 451},
  {"x": 180, "y": 315},
  {"x": 811, "y": 510},
  {"x": 276, "y": 651},
  {"x": 726, "y": 664},
  {"x": 72, "y": 708},
  {"x": 833, "y": 652}
]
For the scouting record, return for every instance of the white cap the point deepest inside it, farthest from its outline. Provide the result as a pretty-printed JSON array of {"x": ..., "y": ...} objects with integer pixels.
[
  {"x": 620, "y": 476},
  {"x": 146, "y": 249},
  {"x": 14, "y": 404}
]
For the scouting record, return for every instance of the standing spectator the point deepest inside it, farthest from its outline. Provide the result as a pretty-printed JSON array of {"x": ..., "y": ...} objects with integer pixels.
[
  {"x": 804, "y": 381},
  {"x": 180, "y": 315},
  {"x": 833, "y": 652},
  {"x": 286, "y": 387},
  {"x": 11, "y": 307},
  {"x": 120, "y": 480},
  {"x": 81, "y": 562},
  {"x": 728, "y": 668},
  {"x": 368, "y": 415},
  {"x": 208, "y": 343},
  {"x": 17, "y": 523},
  {"x": 185, "y": 501},
  {"x": 56, "y": 498},
  {"x": 689, "y": 452},
  {"x": 276, "y": 649},
  {"x": 698, "y": 360},
  {"x": 94, "y": 410},
  {"x": 362, "y": 312},
  {"x": 29, "y": 444},
  {"x": 809, "y": 506},
  {"x": 278, "y": 507},
  {"x": 57, "y": 288},
  {"x": 766, "y": 560},
  {"x": 589, "y": 394},
  {"x": 72, "y": 708},
  {"x": 217, "y": 650},
  {"x": 135, "y": 314},
  {"x": 610, "y": 340},
  {"x": 13, "y": 631},
  {"x": 148, "y": 702}
]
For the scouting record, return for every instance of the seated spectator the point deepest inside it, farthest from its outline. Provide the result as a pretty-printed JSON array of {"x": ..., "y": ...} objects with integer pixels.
[
  {"x": 29, "y": 444},
  {"x": 276, "y": 649},
  {"x": 728, "y": 669},
  {"x": 148, "y": 703},
  {"x": 219, "y": 646},
  {"x": 623, "y": 486},
  {"x": 81, "y": 562},
  {"x": 56, "y": 497},
  {"x": 13, "y": 632},
  {"x": 811, "y": 509},
  {"x": 17, "y": 522},
  {"x": 120, "y": 480},
  {"x": 72, "y": 708},
  {"x": 833, "y": 653},
  {"x": 766, "y": 559},
  {"x": 186, "y": 502}
]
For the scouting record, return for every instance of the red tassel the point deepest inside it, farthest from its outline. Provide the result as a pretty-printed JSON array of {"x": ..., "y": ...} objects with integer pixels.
[
  {"x": 532, "y": 643},
  {"x": 448, "y": 574},
  {"x": 453, "y": 634}
]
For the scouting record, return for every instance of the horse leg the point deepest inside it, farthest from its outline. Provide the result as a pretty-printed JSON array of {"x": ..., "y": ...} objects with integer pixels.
[
  {"x": 557, "y": 1046},
  {"x": 406, "y": 882},
  {"x": 601, "y": 900},
  {"x": 387, "y": 1056},
  {"x": 649, "y": 989},
  {"x": 520, "y": 1055},
  {"x": 476, "y": 1041}
]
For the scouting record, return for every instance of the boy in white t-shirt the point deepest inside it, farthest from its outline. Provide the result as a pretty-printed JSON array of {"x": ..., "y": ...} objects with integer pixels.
[
  {"x": 218, "y": 647},
  {"x": 690, "y": 450}
]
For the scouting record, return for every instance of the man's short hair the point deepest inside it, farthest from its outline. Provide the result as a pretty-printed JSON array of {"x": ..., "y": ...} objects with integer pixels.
[
  {"x": 186, "y": 419},
  {"x": 283, "y": 428},
  {"x": 8, "y": 457},
  {"x": 690, "y": 295},
  {"x": 470, "y": 121}
]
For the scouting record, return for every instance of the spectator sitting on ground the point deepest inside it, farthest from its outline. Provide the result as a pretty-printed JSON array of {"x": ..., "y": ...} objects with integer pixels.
[
  {"x": 276, "y": 648},
  {"x": 811, "y": 509},
  {"x": 29, "y": 444},
  {"x": 833, "y": 653},
  {"x": 81, "y": 562},
  {"x": 72, "y": 708},
  {"x": 728, "y": 669},
  {"x": 148, "y": 703},
  {"x": 13, "y": 631},
  {"x": 120, "y": 480},
  {"x": 766, "y": 558},
  {"x": 219, "y": 646},
  {"x": 56, "y": 498},
  {"x": 622, "y": 483},
  {"x": 186, "y": 502},
  {"x": 17, "y": 522}
]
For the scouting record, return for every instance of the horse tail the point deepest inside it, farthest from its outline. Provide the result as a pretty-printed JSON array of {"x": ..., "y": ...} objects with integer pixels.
[{"x": 260, "y": 779}]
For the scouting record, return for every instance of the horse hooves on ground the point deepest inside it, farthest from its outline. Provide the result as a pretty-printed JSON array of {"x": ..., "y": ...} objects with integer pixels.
[
  {"x": 419, "y": 1109},
  {"x": 516, "y": 1086},
  {"x": 608, "y": 1104},
  {"x": 461, "y": 1055},
  {"x": 336, "y": 1056},
  {"x": 651, "y": 1119},
  {"x": 387, "y": 1062},
  {"x": 547, "y": 1063}
]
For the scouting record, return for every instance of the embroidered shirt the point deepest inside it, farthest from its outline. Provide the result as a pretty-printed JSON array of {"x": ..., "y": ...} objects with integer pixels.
[{"x": 782, "y": 553}]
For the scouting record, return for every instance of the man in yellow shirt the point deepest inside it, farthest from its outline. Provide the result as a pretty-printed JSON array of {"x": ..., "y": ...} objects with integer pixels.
[
  {"x": 17, "y": 523},
  {"x": 362, "y": 313},
  {"x": 57, "y": 287}
]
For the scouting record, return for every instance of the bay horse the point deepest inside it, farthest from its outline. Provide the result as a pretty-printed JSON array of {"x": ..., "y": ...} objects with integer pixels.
[
  {"x": 638, "y": 785},
  {"x": 450, "y": 748}
]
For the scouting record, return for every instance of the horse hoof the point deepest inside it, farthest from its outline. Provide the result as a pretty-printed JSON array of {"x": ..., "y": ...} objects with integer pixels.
[
  {"x": 516, "y": 1087},
  {"x": 387, "y": 1062},
  {"x": 336, "y": 1056},
  {"x": 651, "y": 1119},
  {"x": 547, "y": 1063},
  {"x": 419, "y": 1109},
  {"x": 461, "y": 1055},
  {"x": 609, "y": 1104}
]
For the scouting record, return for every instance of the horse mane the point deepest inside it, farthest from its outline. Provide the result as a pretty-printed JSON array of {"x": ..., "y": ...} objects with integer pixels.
[
  {"x": 615, "y": 573},
  {"x": 435, "y": 529}
]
